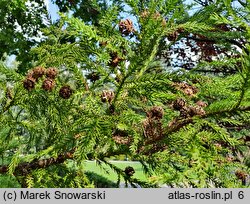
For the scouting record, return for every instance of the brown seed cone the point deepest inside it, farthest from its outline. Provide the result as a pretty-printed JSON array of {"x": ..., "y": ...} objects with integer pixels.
[
  {"x": 93, "y": 76},
  {"x": 186, "y": 88},
  {"x": 48, "y": 84},
  {"x": 121, "y": 137},
  {"x": 115, "y": 59},
  {"x": 129, "y": 171},
  {"x": 65, "y": 92},
  {"x": 144, "y": 14},
  {"x": 103, "y": 43},
  {"x": 155, "y": 112},
  {"x": 157, "y": 15},
  {"x": 201, "y": 103},
  {"x": 122, "y": 140},
  {"x": 51, "y": 72},
  {"x": 152, "y": 128},
  {"x": 196, "y": 110},
  {"x": 29, "y": 83},
  {"x": 173, "y": 36},
  {"x": 179, "y": 103},
  {"x": 184, "y": 112},
  {"x": 126, "y": 27},
  {"x": 107, "y": 96},
  {"x": 37, "y": 72},
  {"x": 240, "y": 174}
]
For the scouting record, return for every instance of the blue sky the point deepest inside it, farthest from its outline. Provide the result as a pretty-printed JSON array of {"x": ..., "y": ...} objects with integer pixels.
[{"x": 53, "y": 9}]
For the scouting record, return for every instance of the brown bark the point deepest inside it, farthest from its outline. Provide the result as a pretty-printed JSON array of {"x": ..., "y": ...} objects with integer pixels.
[{"x": 25, "y": 168}]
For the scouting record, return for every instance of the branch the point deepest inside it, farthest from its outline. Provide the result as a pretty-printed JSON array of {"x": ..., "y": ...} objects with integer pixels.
[
  {"x": 215, "y": 71},
  {"x": 244, "y": 4},
  {"x": 234, "y": 42},
  {"x": 203, "y": 3},
  {"x": 178, "y": 124},
  {"x": 25, "y": 168}
]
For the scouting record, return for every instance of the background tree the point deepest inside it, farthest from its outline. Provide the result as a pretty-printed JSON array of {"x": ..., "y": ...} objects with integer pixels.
[
  {"x": 100, "y": 88},
  {"x": 21, "y": 24}
]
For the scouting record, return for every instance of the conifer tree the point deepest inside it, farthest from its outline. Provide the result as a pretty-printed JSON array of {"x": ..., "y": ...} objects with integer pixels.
[{"x": 166, "y": 87}]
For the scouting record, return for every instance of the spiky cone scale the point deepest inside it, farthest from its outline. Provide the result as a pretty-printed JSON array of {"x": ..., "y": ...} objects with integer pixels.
[
  {"x": 179, "y": 103},
  {"x": 48, "y": 84},
  {"x": 126, "y": 27},
  {"x": 144, "y": 14},
  {"x": 29, "y": 83},
  {"x": 129, "y": 171},
  {"x": 107, "y": 96},
  {"x": 65, "y": 92},
  {"x": 184, "y": 112},
  {"x": 157, "y": 16},
  {"x": 51, "y": 72}
]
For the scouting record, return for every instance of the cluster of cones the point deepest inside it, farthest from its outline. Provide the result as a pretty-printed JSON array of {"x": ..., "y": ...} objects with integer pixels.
[
  {"x": 38, "y": 72},
  {"x": 152, "y": 125},
  {"x": 126, "y": 28},
  {"x": 187, "y": 110},
  {"x": 48, "y": 82}
]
